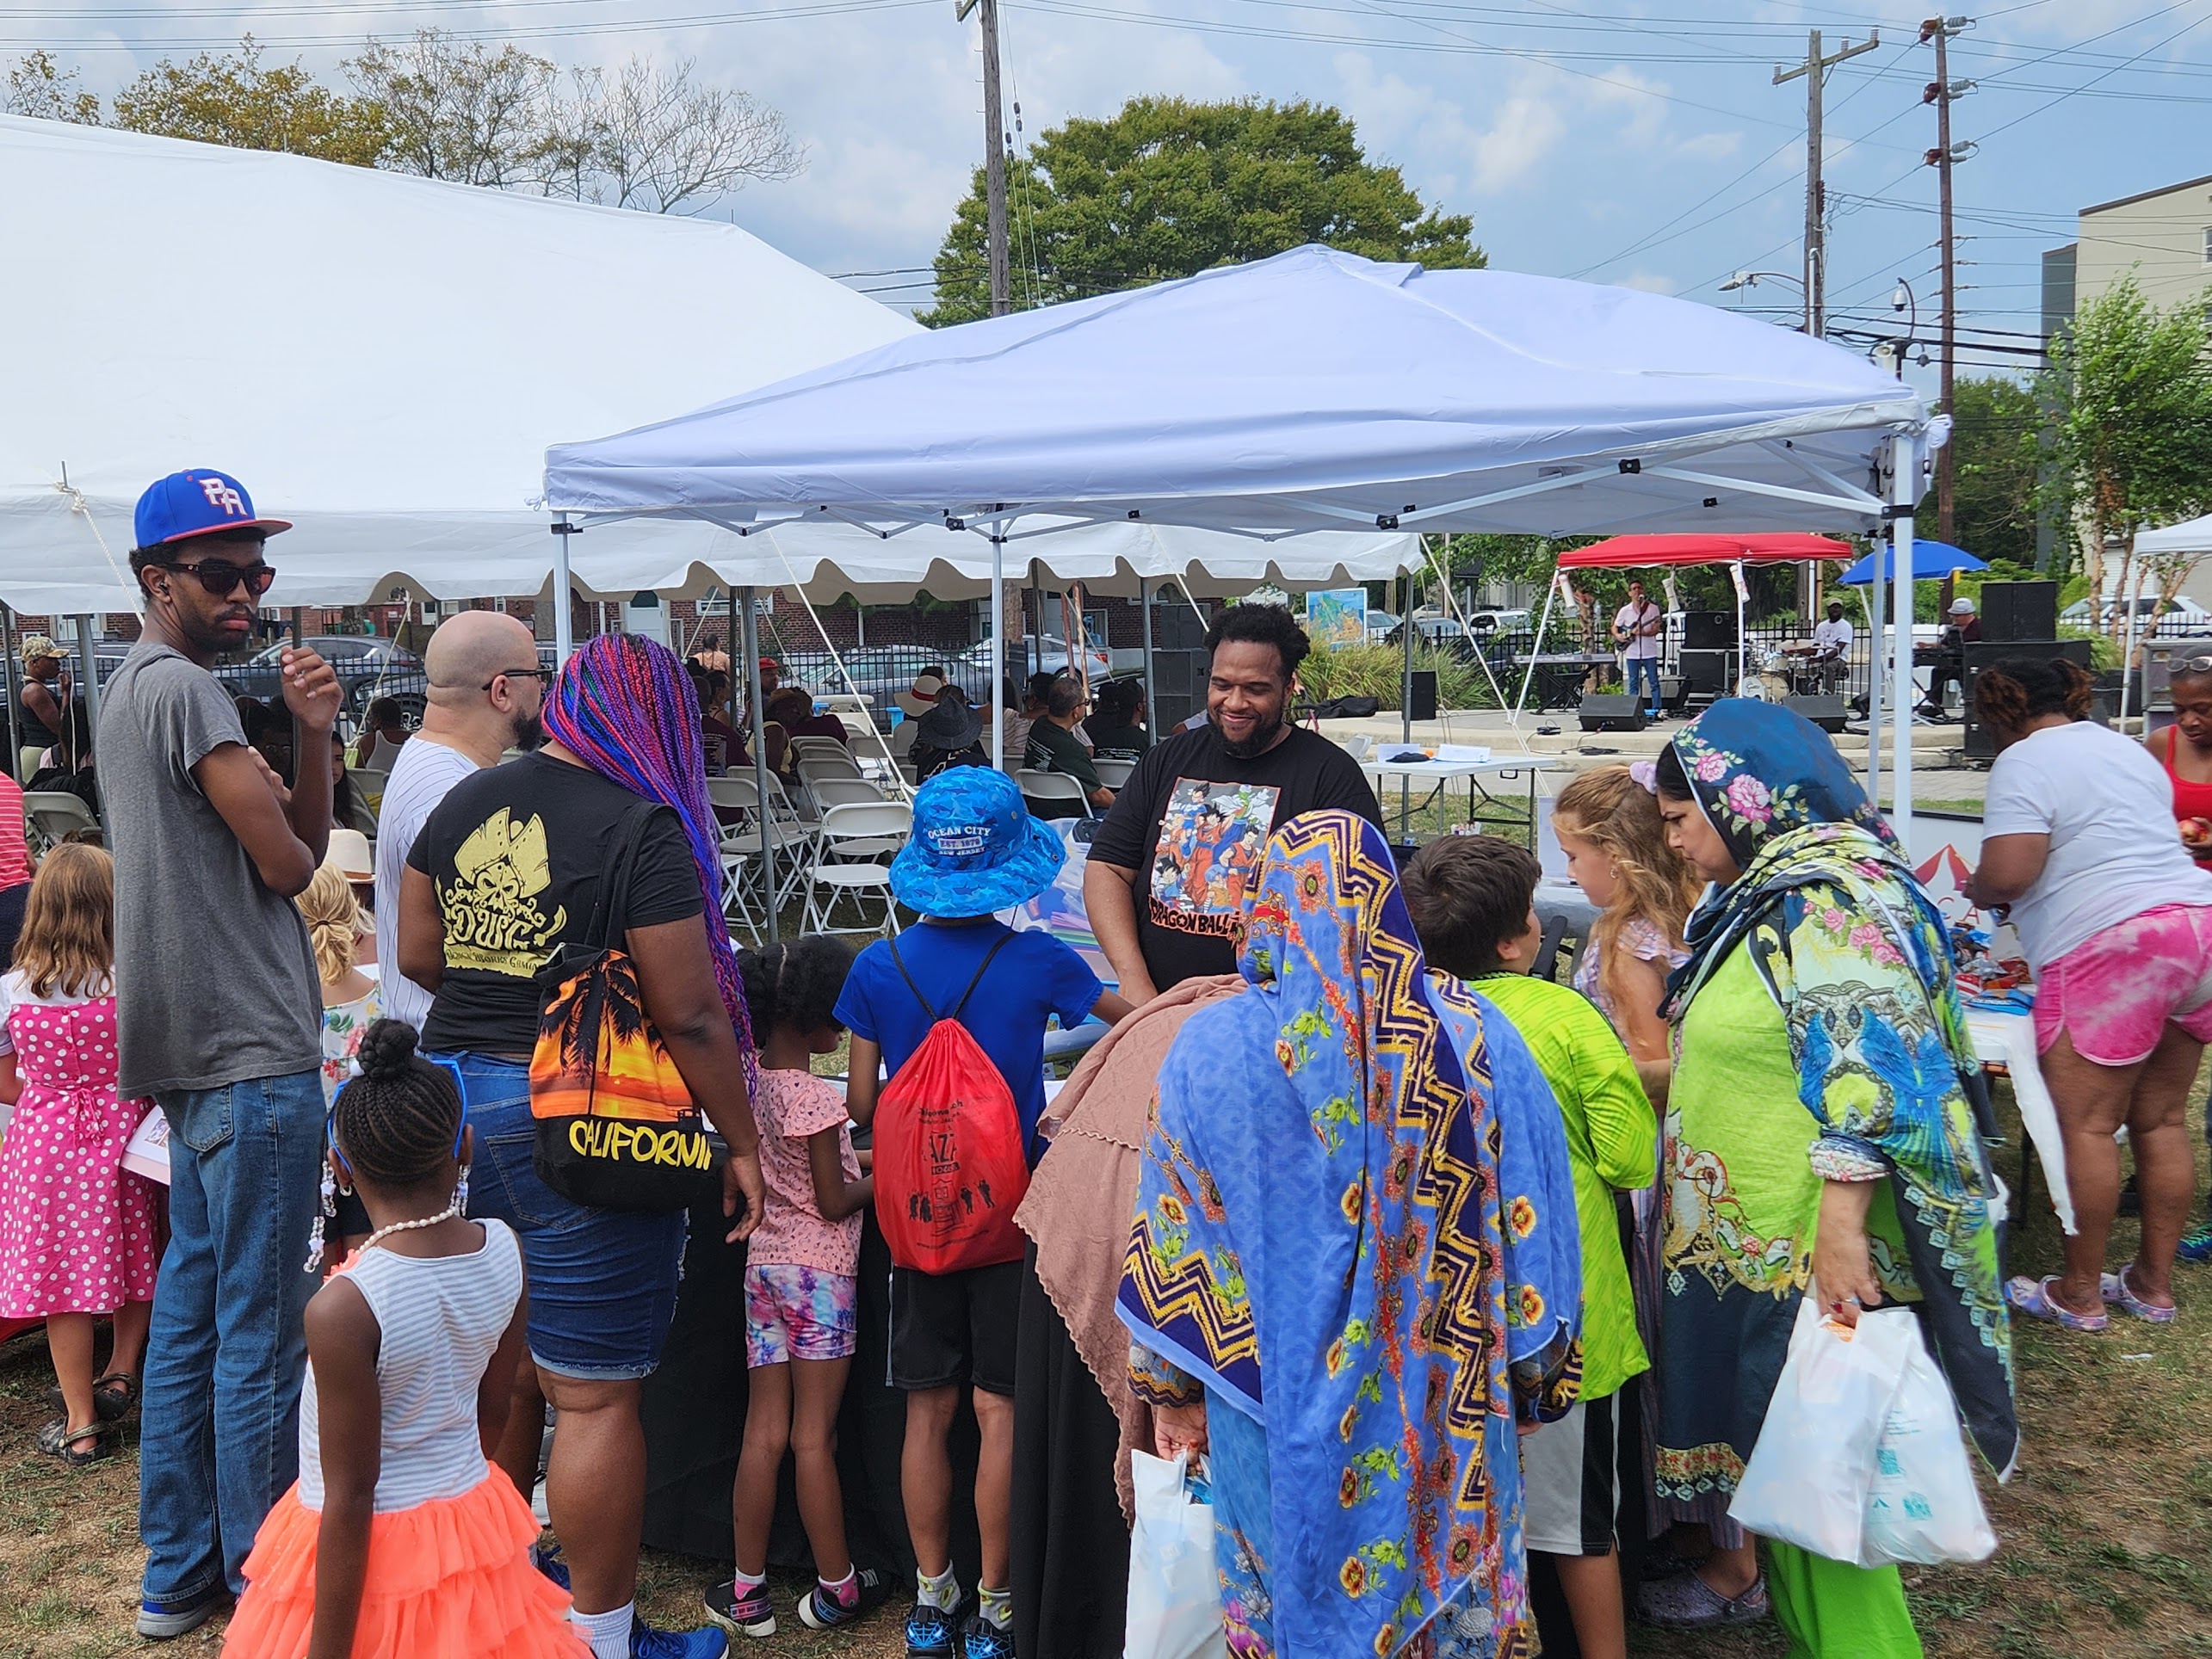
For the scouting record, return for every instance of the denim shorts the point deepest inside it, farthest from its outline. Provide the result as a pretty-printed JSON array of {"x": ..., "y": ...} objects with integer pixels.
[{"x": 602, "y": 1282}]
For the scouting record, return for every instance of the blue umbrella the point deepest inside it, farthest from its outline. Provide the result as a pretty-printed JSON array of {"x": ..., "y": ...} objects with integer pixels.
[{"x": 1931, "y": 562}]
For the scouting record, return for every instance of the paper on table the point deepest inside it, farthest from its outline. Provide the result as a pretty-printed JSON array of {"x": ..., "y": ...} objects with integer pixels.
[{"x": 1463, "y": 752}]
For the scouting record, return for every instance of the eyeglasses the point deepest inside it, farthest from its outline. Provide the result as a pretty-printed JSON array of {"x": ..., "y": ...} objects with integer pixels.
[
  {"x": 2191, "y": 665},
  {"x": 220, "y": 576},
  {"x": 540, "y": 675}
]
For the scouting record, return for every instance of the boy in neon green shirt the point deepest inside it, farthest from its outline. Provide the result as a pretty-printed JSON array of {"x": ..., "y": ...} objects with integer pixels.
[{"x": 1473, "y": 899}]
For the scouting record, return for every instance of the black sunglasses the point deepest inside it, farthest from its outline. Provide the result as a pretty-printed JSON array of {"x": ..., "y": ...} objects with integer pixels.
[
  {"x": 540, "y": 675},
  {"x": 220, "y": 576}
]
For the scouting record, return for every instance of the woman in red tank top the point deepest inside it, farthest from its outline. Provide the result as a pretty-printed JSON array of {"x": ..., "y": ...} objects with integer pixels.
[{"x": 2186, "y": 749}]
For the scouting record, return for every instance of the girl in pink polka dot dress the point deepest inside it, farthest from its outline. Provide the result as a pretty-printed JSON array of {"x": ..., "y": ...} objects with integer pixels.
[{"x": 76, "y": 1231}]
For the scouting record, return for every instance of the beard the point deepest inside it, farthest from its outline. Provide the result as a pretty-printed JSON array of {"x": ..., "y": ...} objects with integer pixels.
[
  {"x": 1264, "y": 733},
  {"x": 529, "y": 733}
]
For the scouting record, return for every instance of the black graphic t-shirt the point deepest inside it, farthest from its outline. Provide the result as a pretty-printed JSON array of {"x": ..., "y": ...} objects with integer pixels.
[
  {"x": 1193, "y": 821},
  {"x": 516, "y": 855}
]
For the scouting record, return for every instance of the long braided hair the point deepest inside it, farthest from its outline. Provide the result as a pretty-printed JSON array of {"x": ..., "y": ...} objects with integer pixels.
[{"x": 627, "y": 709}]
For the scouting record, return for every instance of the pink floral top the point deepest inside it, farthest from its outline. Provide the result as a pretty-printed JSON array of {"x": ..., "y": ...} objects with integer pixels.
[
  {"x": 790, "y": 1107},
  {"x": 1642, "y": 939}
]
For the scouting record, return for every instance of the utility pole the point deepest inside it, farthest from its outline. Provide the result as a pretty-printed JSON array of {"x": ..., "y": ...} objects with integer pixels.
[
  {"x": 994, "y": 152},
  {"x": 1940, "y": 92},
  {"x": 1815, "y": 69}
]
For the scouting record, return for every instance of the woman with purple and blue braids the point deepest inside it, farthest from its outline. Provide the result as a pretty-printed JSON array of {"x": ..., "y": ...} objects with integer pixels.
[{"x": 508, "y": 869}]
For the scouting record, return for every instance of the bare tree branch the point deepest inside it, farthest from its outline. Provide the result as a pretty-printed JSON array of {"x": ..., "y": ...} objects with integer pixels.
[
  {"x": 658, "y": 139},
  {"x": 40, "y": 87},
  {"x": 458, "y": 110}
]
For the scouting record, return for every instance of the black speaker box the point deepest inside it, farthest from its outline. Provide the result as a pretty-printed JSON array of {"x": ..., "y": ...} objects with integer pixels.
[
  {"x": 1674, "y": 692},
  {"x": 1707, "y": 671},
  {"x": 1610, "y": 712},
  {"x": 1979, "y": 745},
  {"x": 1708, "y": 630},
  {"x": 1826, "y": 712},
  {"x": 1176, "y": 626},
  {"x": 1181, "y": 673},
  {"x": 2019, "y": 610},
  {"x": 1424, "y": 705}
]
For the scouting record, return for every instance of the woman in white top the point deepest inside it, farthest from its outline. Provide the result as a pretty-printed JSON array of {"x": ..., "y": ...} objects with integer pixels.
[
  {"x": 400, "y": 1535},
  {"x": 2078, "y": 840}
]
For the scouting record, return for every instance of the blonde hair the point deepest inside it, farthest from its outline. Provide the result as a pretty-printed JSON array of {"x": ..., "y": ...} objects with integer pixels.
[
  {"x": 333, "y": 921},
  {"x": 68, "y": 941},
  {"x": 1608, "y": 808}
]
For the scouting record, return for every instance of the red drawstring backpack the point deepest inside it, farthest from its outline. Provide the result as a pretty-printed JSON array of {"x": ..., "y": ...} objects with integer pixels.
[{"x": 949, "y": 1163}]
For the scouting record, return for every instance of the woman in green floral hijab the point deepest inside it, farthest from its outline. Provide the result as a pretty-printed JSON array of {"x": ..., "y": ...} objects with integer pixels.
[{"x": 1817, "y": 1131}]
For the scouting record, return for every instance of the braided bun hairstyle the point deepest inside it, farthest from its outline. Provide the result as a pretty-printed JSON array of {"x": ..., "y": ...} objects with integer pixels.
[
  {"x": 2013, "y": 690},
  {"x": 396, "y": 1124}
]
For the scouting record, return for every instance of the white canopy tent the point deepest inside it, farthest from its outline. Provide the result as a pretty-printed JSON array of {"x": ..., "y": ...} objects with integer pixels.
[
  {"x": 1313, "y": 390},
  {"x": 2194, "y": 536}
]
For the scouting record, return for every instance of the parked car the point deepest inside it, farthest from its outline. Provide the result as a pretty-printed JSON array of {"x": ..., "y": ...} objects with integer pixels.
[
  {"x": 1381, "y": 624},
  {"x": 367, "y": 665},
  {"x": 2178, "y": 615},
  {"x": 1050, "y": 656}
]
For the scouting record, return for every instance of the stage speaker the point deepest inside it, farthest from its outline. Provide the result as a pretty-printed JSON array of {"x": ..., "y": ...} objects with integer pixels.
[
  {"x": 1176, "y": 626},
  {"x": 1708, "y": 630},
  {"x": 1826, "y": 712},
  {"x": 1610, "y": 712},
  {"x": 1674, "y": 692},
  {"x": 1707, "y": 672},
  {"x": 2019, "y": 610},
  {"x": 1979, "y": 745},
  {"x": 1181, "y": 692},
  {"x": 1424, "y": 705}
]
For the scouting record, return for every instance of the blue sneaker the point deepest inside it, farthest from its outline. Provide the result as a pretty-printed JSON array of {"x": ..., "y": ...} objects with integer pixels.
[
  {"x": 982, "y": 1639},
  {"x": 159, "y": 1621},
  {"x": 820, "y": 1610},
  {"x": 546, "y": 1559},
  {"x": 646, "y": 1643},
  {"x": 933, "y": 1632},
  {"x": 2196, "y": 1245}
]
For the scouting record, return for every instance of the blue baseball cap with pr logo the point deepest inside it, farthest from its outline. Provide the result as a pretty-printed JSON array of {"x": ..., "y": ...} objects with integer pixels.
[{"x": 198, "y": 501}]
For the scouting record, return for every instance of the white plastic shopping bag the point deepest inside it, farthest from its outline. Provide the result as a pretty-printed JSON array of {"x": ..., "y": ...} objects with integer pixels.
[
  {"x": 1809, "y": 1476},
  {"x": 1924, "y": 1506},
  {"x": 1175, "y": 1595}
]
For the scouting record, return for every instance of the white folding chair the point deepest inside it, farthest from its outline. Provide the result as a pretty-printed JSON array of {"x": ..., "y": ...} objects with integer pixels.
[
  {"x": 55, "y": 814},
  {"x": 832, "y": 761},
  {"x": 810, "y": 744},
  {"x": 742, "y": 849},
  {"x": 1358, "y": 745},
  {"x": 1040, "y": 788},
  {"x": 902, "y": 739},
  {"x": 1114, "y": 774},
  {"x": 844, "y": 792},
  {"x": 854, "y": 848}
]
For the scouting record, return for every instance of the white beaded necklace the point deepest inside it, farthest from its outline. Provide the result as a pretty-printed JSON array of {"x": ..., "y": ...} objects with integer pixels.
[{"x": 451, "y": 1210}]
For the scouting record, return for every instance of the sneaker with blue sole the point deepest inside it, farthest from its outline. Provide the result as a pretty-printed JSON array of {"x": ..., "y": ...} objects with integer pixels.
[
  {"x": 2196, "y": 1245},
  {"x": 933, "y": 1632},
  {"x": 546, "y": 1559},
  {"x": 646, "y": 1643},
  {"x": 159, "y": 1621},
  {"x": 819, "y": 1610},
  {"x": 982, "y": 1639}
]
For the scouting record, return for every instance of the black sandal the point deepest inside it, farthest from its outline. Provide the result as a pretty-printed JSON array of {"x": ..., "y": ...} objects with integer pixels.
[
  {"x": 113, "y": 1396},
  {"x": 58, "y": 1440}
]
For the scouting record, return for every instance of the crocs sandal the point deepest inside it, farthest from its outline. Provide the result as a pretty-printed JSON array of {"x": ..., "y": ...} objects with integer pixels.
[
  {"x": 2033, "y": 1298},
  {"x": 1687, "y": 1602},
  {"x": 113, "y": 1396},
  {"x": 2116, "y": 1290},
  {"x": 58, "y": 1440}
]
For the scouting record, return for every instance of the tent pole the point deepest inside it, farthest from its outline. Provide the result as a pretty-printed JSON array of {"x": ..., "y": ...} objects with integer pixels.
[
  {"x": 1034, "y": 657},
  {"x": 764, "y": 819},
  {"x": 2127, "y": 654},
  {"x": 563, "y": 622},
  {"x": 1145, "y": 608},
  {"x": 1405, "y": 680},
  {"x": 15, "y": 710},
  {"x": 1742, "y": 661},
  {"x": 90, "y": 690},
  {"x": 998, "y": 646},
  {"x": 1537, "y": 647},
  {"x": 1904, "y": 453},
  {"x": 1877, "y": 591}
]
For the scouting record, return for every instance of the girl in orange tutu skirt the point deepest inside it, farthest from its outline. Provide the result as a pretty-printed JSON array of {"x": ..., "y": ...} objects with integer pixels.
[{"x": 399, "y": 1538}]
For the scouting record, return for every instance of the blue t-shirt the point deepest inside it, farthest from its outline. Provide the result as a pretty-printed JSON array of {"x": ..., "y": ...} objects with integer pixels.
[{"x": 1034, "y": 975}]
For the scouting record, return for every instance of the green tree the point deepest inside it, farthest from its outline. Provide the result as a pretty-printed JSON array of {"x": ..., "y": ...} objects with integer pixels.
[
  {"x": 2130, "y": 434},
  {"x": 460, "y": 110},
  {"x": 235, "y": 99},
  {"x": 39, "y": 87},
  {"x": 1168, "y": 187},
  {"x": 1993, "y": 466}
]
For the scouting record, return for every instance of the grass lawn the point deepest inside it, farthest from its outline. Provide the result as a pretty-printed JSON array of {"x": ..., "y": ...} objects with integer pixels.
[{"x": 2105, "y": 1534}]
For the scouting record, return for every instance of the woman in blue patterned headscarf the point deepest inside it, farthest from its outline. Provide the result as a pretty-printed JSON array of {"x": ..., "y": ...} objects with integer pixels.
[
  {"x": 1819, "y": 1129},
  {"x": 1354, "y": 1242}
]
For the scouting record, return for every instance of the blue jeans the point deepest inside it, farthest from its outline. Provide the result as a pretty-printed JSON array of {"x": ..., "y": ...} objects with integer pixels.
[
  {"x": 603, "y": 1282},
  {"x": 1646, "y": 670},
  {"x": 219, "y": 1439}
]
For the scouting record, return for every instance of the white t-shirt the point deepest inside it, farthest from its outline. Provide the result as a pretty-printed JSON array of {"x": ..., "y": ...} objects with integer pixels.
[
  {"x": 421, "y": 775},
  {"x": 1627, "y": 618},
  {"x": 16, "y": 992},
  {"x": 1837, "y": 633},
  {"x": 2108, "y": 808}
]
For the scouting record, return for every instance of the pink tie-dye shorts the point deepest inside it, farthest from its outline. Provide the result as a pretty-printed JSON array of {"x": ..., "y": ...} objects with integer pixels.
[{"x": 2115, "y": 992}]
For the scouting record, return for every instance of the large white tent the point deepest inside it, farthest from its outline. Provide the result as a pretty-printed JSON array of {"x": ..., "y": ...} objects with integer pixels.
[
  {"x": 2194, "y": 536},
  {"x": 1313, "y": 389}
]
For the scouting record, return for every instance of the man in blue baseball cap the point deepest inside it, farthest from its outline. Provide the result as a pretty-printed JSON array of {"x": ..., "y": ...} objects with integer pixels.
[{"x": 219, "y": 1012}]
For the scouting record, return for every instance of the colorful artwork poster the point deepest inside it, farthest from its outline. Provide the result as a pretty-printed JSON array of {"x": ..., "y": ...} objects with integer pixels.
[
  {"x": 1336, "y": 617},
  {"x": 1211, "y": 838}
]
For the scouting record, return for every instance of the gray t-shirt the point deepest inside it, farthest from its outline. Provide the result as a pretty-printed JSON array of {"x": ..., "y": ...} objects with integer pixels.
[{"x": 214, "y": 980}]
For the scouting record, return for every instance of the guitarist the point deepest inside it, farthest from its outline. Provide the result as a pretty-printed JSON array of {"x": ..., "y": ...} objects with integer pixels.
[{"x": 1636, "y": 629}]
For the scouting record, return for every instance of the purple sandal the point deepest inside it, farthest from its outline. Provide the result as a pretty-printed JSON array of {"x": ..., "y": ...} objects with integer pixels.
[
  {"x": 2116, "y": 1290},
  {"x": 2033, "y": 1298}
]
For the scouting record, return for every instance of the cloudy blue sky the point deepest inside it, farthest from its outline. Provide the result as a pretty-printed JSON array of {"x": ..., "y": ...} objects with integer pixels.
[{"x": 1629, "y": 141}]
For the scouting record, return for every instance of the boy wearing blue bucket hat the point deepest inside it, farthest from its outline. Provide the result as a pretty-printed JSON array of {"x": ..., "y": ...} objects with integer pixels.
[{"x": 975, "y": 850}]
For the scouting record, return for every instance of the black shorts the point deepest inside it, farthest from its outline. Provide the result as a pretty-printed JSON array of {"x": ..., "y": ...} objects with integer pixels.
[
  {"x": 954, "y": 1327},
  {"x": 1570, "y": 1483}
]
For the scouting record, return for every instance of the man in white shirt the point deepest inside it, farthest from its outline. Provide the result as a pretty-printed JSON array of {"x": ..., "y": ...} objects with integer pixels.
[
  {"x": 485, "y": 691},
  {"x": 1636, "y": 629},
  {"x": 1832, "y": 648}
]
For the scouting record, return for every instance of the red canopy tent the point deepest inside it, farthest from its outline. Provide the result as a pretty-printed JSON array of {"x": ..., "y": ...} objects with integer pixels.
[{"x": 1789, "y": 548}]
